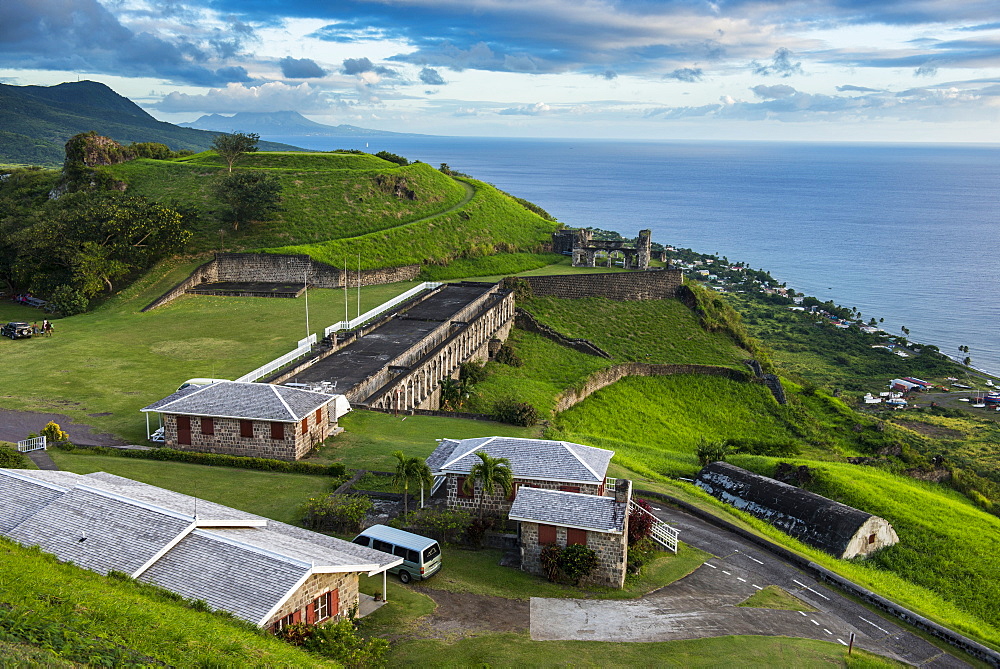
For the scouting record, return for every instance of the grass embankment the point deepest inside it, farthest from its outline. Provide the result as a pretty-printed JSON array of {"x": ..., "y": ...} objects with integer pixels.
[
  {"x": 500, "y": 265},
  {"x": 116, "y": 360},
  {"x": 87, "y": 619},
  {"x": 773, "y": 597},
  {"x": 490, "y": 222},
  {"x": 655, "y": 331},
  {"x": 942, "y": 566},
  {"x": 324, "y": 196}
]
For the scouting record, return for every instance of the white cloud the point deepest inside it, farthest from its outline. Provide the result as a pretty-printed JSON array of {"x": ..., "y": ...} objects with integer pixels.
[{"x": 269, "y": 97}]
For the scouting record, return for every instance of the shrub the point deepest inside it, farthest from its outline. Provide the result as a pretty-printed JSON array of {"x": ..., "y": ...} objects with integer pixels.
[
  {"x": 711, "y": 451},
  {"x": 472, "y": 372},
  {"x": 640, "y": 554},
  {"x": 640, "y": 521},
  {"x": 444, "y": 525},
  {"x": 506, "y": 356},
  {"x": 339, "y": 513},
  {"x": 67, "y": 301},
  {"x": 10, "y": 458},
  {"x": 392, "y": 158},
  {"x": 516, "y": 413},
  {"x": 577, "y": 562},
  {"x": 336, "y": 469},
  {"x": 53, "y": 433},
  {"x": 341, "y": 641},
  {"x": 549, "y": 558}
]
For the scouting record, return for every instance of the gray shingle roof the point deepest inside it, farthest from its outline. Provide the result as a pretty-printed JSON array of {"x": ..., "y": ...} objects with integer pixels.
[
  {"x": 251, "y": 401},
  {"x": 127, "y": 525},
  {"x": 568, "y": 509},
  {"x": 540, "y": 459}
]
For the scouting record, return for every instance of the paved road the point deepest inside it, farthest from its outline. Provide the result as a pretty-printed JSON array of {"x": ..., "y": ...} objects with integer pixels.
[{"x": 703, "y": 604}]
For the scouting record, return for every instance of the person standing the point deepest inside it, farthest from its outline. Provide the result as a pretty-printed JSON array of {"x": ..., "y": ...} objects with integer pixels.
[{"x": 47, "y": 327}]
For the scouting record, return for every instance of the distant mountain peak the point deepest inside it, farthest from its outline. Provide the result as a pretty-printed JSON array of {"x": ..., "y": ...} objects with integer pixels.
[{"x": 280, "y": 123}]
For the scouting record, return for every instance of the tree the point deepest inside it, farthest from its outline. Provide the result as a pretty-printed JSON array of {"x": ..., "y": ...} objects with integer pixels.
[
  {"x": 491, "y": 473},
  {"x": 232, "y": 146},
  {"x": 249, "y": 196},
  {"x": 67, "y": 301},
  {"x": 410, "y": 469}
]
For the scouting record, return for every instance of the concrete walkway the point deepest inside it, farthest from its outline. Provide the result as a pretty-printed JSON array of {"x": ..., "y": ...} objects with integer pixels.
[
  {"x": 42, "y": 460},
  {"x": 704, "y": 604}
]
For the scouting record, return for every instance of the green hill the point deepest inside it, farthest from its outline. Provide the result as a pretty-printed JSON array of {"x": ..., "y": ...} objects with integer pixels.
[{"x": 37, "y": 121}]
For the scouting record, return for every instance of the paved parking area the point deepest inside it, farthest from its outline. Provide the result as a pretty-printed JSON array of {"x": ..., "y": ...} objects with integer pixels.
[{"x": 704, "y": 604}]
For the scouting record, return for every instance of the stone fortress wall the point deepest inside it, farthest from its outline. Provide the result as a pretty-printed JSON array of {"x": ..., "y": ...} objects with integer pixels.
[{"x": 655, "y": 284}]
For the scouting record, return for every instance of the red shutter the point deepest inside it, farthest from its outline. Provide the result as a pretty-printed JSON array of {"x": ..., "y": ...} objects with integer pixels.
[
  {"x": 278, "y": 431},
  {"x": 305, "y": 425},
  {"x": 334, "y": 602},
  {"x": 319, "y": 415},
  {"x": 207, "y": 425},
  {"x": 297, "y": 617},
  {"x": 311, "y": 613},
  {"x": 461, "y": 488},
  {"x": 574, "y": 536},
  {"x": 246, "y": 429},
  {"x": 546, "y": 534},
  {"x": 184, "y": 430}
]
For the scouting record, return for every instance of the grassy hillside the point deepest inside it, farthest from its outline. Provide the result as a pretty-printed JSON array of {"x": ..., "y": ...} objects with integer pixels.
[{"x": 86, "y": 619}]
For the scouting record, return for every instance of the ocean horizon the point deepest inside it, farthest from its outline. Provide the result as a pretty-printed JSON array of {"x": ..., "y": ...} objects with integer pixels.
[{"x": 902, "y": 232}]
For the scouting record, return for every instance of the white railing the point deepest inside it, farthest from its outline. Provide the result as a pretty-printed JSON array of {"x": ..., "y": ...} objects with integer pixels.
[
  {"x": 380, "y": 309},
  {"x": 304, "y": 347},
  {"x": 663, "y": 534},
  {"x": 35, "y": 444},
  {"x": 438, "y": 480}
]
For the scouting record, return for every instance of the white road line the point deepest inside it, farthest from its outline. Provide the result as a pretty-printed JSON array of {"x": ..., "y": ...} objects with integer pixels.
[
  {"x": 803, "y": 614},
  {"x": 811, "y": 590},
  {"x": 726, "y": 572},
  {"x": 828, "y": 631},
  {"x": 814, "y": 622},
  {"x": 742, "y": 580},
  {"x": 842, "y": 641},
  {"x": 875, "y": 626},
  {"x": 756, "y": 586},
  {"x": 752, "y": 558},
  {"x": 709, "y": 564}
]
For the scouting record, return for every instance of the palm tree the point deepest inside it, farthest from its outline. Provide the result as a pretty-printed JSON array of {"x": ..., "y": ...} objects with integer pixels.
[
  {"x": 408, "y": 469},
  {"x": 491, "y": 473}
]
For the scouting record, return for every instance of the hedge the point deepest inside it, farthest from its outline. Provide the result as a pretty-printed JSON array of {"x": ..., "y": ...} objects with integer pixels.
[{"x": 219, "y": 460}]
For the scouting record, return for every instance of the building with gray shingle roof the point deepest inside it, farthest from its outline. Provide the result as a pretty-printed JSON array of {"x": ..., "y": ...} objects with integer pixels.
[
  {"x": 263, "y": 571},
  {"x": 569, "y": 509},
  {"x": 248, "y": 419}
]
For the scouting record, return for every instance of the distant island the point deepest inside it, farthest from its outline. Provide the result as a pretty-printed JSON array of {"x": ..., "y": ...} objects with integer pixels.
[{"x": 284, "y": 124}]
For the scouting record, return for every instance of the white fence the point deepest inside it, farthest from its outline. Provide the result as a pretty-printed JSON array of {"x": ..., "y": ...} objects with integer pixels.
[
  {"x": 381, "y": 309},
  {"x": 36, "y": 444},
  {"x": 304, "y": 347},
  {"x": 663, "y": 534}
]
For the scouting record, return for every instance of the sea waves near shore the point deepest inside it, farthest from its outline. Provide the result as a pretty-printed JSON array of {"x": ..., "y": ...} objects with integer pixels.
[{"x": 902, "y": 232}]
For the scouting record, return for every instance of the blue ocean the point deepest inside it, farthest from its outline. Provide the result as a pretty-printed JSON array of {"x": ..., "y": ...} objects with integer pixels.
[{"x": 901, "y": 232}]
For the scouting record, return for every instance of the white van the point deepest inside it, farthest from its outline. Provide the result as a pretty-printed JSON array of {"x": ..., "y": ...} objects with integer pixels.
[{"x": 421, "y": 556}]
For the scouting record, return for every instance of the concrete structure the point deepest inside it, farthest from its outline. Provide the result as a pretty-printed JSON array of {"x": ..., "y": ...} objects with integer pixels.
[
  {"x": 657, "y": 284},
  {"x": 565, "y": 518},
  {"x": 838, "y": 529},
  {"x": 399, "y": 365},
  {"x": 587, "y": 251},
  {"x": 534, "y": 463},
  {"x": 265, "y": 572},
  {"x": 248, "y": 419}
]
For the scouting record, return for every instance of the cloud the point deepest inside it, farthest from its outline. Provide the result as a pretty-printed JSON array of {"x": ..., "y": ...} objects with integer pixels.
[
  {"x": 776, "y": 92},
  {"x": 781, "y": 65},
  {"x": 608, "y": 75},
  {"x": 849, "y": 88},
  {"x": 431, "y": 77},
  {"x": 927, "y": 70},
  {"x": 362, "y": 65},
  {"x": 686, "y": 74},
  {"x": 269, "y": 97},
  {"x": 537, "y": 109},
  {"x": 300, "y": 68}
]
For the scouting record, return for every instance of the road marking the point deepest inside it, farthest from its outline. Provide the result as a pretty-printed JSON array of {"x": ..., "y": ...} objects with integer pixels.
[
  {"x": 811, "y": 590},
  {"x": 842, "y": 641},
  {"x": 828, "y": 631},
  {"x": 803, "y": 614},
  {"x": 756, "y": 586},
  {"x": 741, "y": 579},
  {"x": 726, "y": 572},
  {"x": 814, "y": 622},
  {"x": 875, "y": 626},
  {"x": 752, "y": 558},
  {"x": 656, "y": 508},
  {"x": 709, "y": 564}
]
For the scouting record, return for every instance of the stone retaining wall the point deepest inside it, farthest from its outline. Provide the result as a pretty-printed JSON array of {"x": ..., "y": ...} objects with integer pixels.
[
  {"x": 529, "y": 323},
  {"x": 605, "y": 377},
  {"x": 628, "y": 286}
]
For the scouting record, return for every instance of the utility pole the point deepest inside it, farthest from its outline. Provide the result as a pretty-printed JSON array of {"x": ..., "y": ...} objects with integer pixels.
[{"x": 305, "y": 284}]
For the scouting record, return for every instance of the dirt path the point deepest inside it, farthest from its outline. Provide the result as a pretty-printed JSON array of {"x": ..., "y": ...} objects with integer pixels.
[
  {"x": 461, "y": 614},
  {"x": 15, "y": 425}
]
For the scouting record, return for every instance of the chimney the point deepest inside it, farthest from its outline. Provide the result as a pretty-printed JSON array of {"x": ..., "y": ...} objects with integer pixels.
[{"x": 623, "y": 491}]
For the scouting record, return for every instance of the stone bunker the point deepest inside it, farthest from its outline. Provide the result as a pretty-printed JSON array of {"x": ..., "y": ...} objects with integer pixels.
[{"x": 835, "y": 528}]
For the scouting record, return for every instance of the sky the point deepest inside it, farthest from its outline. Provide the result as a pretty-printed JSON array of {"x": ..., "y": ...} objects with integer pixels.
[{"x": 821, "y": 70}]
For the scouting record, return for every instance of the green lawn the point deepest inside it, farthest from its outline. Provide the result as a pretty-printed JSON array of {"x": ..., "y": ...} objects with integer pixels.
[
  {"x": 269, "y": 494},
  {"x": 773, "y": 597}
]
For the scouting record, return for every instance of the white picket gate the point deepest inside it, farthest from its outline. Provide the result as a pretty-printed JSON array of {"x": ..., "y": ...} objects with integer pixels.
[{"x": 34, "y": 444}]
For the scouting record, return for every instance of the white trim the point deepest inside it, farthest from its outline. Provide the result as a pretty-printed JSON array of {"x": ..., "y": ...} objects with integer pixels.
[
  {"x": 163, "y": 551},
  {"x": 208, "y": 534},
  {"x": 581, "y": 461},
  {"x": 554, "y": 524},
  {"x": 237, "y": 522},
  {"x": 288, "y": 595},
  {"x": 285, "y": 404},
  {"x": 257, "y": 418},
  {"x": 467, "y": 453},
  {"x": 135, "y": 502},
  {"x": 31, "y": 479},
  {"x": 526, "y": 477}
]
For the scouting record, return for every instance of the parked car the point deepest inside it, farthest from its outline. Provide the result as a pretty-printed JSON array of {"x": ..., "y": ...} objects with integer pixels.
[
  {"x": 421, "y": 556},
  {"x": 16, "y": 330}
]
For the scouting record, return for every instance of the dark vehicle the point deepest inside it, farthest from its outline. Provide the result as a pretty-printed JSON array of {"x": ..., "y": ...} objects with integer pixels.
[{"x": 16, "y": 330}]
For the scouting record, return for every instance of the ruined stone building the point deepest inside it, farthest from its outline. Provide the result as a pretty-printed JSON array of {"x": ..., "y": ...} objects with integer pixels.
[
  {"x": 589, "y": 252},
  {"x": 835, "y": 528}
]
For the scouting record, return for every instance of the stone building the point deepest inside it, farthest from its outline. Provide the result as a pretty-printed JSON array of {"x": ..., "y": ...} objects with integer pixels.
[
  {"x": 588, "y": 252},
  {"x": 534, "y": 463},
  {"x": 566, "y": 518},
  {"x": 262, "y": 571},
  {"x": 248, "y": 419},
  {"x": 838, "y": 529}
]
